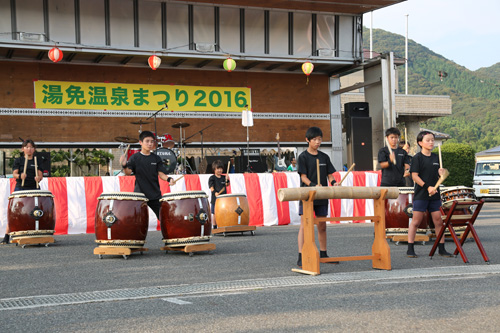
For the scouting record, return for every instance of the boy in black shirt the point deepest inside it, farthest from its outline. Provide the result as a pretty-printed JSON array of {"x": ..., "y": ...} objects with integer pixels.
[
  {"x": 395, "y": 162},
  {"x": 425, "y": 171},
  {"x": 217, "y": 183},
  {"x": 307, "y": 169},
  {"x": 147, "y": 166}
]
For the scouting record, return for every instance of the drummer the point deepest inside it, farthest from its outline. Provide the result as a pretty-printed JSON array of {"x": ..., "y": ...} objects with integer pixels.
[
  {"x": 147, "y": 167},
  {"x": 394, "y": 161},
  {"x": 218, "y": 186},
  {"x": 24, "y": 169}
]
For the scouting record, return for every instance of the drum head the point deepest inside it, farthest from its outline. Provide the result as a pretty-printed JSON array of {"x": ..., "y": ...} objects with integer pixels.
[
  {"x": 169, "y": 159},
  {"x": 122, "y": 196},
  {"x": 31, "y": 193},
  {"x": 183, "y": 195},
  {"x": 231, "y": 195}
]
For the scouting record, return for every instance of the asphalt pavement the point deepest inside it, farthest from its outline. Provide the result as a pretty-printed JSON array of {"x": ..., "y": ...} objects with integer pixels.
[{"x": 246, "y": 285}]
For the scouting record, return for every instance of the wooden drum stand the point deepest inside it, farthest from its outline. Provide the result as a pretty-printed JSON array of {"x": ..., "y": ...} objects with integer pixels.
[{"x": 381, "y": 253}]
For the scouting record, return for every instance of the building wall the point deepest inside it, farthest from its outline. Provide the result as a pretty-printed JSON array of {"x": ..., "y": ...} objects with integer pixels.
[{"x": 271, "y": 93}]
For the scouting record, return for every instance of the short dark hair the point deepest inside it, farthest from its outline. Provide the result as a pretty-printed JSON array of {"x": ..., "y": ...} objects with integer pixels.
[
  {"x": 421, "y": 135},
  {"x": 392, "y": 130},
  {"x": 217, "y": 165},
  {"x": 313, "y": 132},
  {"x": 25, "y": 143},
  {"x": 146, "y": 134}
]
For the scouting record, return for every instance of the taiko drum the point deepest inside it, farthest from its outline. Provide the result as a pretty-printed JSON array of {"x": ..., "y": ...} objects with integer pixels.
[
  {"x": 399, "y": 211},
  {"x": 185, "y": 218},
  {"x": 31, "y": 214},
  {"x": 231, "y": 210},
  {"x": 121, "y": 219}
]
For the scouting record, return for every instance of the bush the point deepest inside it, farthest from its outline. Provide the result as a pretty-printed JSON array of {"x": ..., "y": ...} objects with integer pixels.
[{"x": 459, "y": 159}]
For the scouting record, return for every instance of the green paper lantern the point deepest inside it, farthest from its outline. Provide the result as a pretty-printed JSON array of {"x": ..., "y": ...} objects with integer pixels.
[{"x": 229, "y": 64}]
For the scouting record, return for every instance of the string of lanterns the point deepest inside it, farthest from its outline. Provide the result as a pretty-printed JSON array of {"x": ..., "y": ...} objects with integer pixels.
[{"x": 56, "y": 55}]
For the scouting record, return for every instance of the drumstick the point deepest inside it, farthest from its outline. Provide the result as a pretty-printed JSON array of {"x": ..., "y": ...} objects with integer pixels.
[
  {"x": 317, "y": 171},
  {"x": 348, "y": 171},
  {"x": 175, "y": 181},
  {"x": 36, "y": 172},
  {"x": 440, "y": 158},
  {"x": 406, "y": 138},
  {"x": 227, "y": 173},
  {"x": 126, "y": 151},
  {"x": 25, "y": 166},
  {"x": 390, "y": 150},
  {"x": 441, "y": 179}
]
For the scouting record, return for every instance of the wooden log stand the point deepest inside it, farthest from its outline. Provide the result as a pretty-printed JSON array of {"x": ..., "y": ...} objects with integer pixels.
[
  {"x": 381, "y": 253},
  {"x": 23, "y": 241},
  {"x": 190, "y": 249},
  {"x": 234, "y": 229},
  {"x": 118, "y": 251}
]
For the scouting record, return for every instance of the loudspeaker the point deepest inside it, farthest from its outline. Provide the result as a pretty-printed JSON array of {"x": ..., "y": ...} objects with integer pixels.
[
  {"x": 359, "y": 143},
  {"x": 43, "y": 160},
  {"x": 257, "y": 164},
  {"x": 356, "y": 109}
]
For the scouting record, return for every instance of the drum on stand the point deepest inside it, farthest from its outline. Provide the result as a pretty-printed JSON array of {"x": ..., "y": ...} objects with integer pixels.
[
  {"x": 456, "y": 193},
  {"x": 399, "y": 212},
  {"x": 231, "y": 210},
  {"x": 166, "y": 140},
  {"x": 31, "y": 214},
  {"x": 185, "y": 218},
  {"x": 121, "y": 220}
]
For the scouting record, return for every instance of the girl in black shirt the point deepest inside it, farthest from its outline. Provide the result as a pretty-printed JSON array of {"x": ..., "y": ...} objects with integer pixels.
[{"x": 425, "y": 171}]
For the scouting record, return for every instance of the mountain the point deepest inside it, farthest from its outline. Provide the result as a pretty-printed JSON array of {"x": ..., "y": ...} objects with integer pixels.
[{"x": 475, "y": 95}]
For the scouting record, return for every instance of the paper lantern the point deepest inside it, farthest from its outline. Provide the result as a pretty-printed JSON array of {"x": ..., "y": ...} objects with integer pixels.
[
  {"x": 307, "y": 68},
  {"x": 229, "y": 64},
  {"x": 55, "y": 54},
  {"x": 154, "y": 62}
]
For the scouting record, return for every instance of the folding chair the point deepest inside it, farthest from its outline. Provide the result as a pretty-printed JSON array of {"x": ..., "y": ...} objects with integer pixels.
[{"x": 452, "y": 219}]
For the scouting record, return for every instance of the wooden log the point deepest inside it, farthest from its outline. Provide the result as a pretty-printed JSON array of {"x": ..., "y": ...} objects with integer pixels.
[{"x": 336, "y": 192}]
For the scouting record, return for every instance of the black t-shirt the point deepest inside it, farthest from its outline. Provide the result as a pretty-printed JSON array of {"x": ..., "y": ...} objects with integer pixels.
[
  {"x": 393, "y": 175},
  {"x": 29, "y": 182},
  {"x": 146, "y": 168},
  {"x": 218, "y": 184},
  {"x": 427, "y": 168},
  {"x": 306, "y": 164}
]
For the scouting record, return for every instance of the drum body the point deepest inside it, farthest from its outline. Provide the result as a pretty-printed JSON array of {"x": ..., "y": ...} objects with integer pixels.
[
  {"x": 185, "y": 218},
  {"x": 231, "y": 210},
  {"x": 31, "y": 214},
  {"x": 168, "y": 158},
  {"x": 458, "y": 193},
  {"x": 121, "y": 219},
  {"x": 399, "y": 211}
]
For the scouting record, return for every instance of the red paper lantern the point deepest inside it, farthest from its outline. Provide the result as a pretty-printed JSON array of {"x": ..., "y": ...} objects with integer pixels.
[
  {"x": 55, "y": 54},
  {"x": 154, "y": 62}
]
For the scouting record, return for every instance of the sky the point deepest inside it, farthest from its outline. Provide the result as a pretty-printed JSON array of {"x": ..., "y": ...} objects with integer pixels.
[{"x": 464, "y": 31}]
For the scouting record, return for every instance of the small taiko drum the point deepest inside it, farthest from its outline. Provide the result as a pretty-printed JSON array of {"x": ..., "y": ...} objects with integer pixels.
[
  {"x": 185, "y": 218},
  {"x": 121, "y": 219},
  {"x": 458, "y": 193},
  {"x": 398, "y": 214},
  {"x": 31, "y": 214},
  {"x": 231, "y": 210}
]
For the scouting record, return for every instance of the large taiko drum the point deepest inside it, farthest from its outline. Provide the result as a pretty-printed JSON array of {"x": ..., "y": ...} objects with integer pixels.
[
  {"x": 458, "y": 193},
  {"x": 232, "y": 210},
  {"x": 398, "y": 214},
  {"x": 185, "y": 218},
  {"x": 31, "y": 214},
  {"x": 121, "y": 219}
]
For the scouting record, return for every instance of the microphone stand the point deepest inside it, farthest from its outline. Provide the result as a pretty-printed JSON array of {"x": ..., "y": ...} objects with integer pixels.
[
  {"x": 201, "y": 133},
  {"x": 156, "y": 133}
]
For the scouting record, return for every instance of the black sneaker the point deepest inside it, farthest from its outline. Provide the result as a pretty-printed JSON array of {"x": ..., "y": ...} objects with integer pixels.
[
  {"x": 6, "y": 239},
  {"x": 214, "y": 226},
  {"x": 299, "y": 261},
  {"x": 322, "y": 254},
  {"x": 411, "y": 254},
  {"x": 442, "y": 251}
]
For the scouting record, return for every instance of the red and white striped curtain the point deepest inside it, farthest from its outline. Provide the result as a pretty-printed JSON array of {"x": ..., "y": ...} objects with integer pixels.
[{"x": 75, "y": 198}]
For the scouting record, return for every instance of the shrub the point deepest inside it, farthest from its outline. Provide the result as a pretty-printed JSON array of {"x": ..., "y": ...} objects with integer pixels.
[{"x": 459, "y": 159}]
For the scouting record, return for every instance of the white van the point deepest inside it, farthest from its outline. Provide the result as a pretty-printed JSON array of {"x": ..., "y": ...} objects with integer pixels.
[{"x": 487, "y": 174}]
